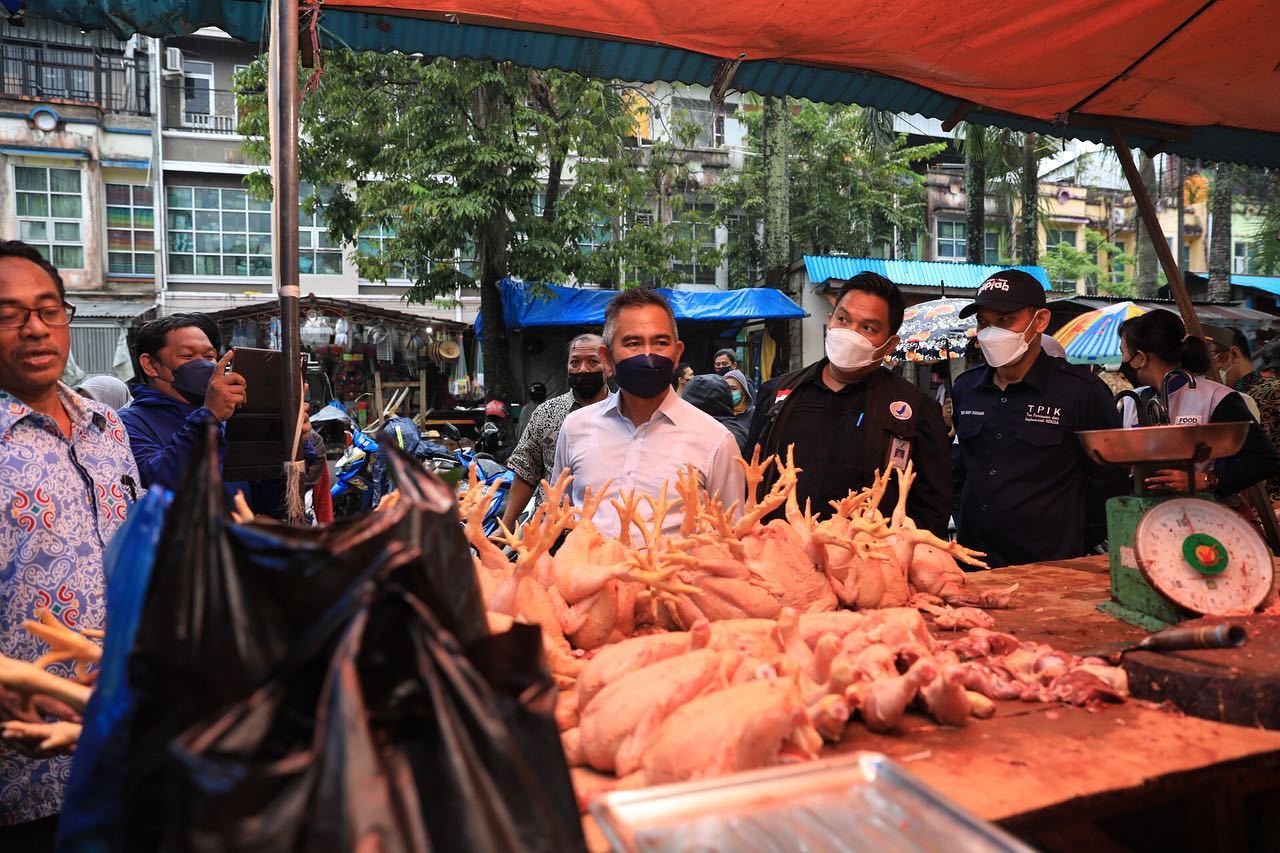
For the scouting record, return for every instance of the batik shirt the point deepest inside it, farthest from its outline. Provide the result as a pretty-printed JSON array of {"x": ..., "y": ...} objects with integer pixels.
[
  {"x": 63, "y": 499},
  {"x": 536, "y": 450},
  {"x": 1266, "y": 393}
]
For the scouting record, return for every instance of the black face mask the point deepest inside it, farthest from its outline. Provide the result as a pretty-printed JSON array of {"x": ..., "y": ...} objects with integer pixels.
[
  {"x": 586, "y": 385},
  {"x": 723, "y": 370},
  {"x": 1130, "y": 373},
  {"x": 645, "y": 376}
]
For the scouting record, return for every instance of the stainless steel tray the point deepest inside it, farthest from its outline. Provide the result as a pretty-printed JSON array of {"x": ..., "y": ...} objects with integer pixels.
[{"x": 862, "y": 801}]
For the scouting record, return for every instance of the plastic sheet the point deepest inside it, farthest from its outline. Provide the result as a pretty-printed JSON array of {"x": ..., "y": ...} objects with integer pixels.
[
  {"x": 227, "y": 602},
  {"x": 92, "y": 807}
]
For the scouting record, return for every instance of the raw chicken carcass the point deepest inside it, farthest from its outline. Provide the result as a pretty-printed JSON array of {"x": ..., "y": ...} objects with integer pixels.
[
  {"x": 632, "y": 708},
  {"x": 743, "y": 727}
]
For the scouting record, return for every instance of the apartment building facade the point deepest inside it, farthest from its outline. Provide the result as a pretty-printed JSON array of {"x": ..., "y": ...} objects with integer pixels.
[{"x": 124, "y": 162}]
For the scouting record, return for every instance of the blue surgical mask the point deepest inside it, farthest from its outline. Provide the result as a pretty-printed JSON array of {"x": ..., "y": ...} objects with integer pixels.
[
  {"x": 191, "y": 380},
  {"x": 737, "y": 397}
]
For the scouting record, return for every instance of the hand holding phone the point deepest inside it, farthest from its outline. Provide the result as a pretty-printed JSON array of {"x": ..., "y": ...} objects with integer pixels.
[{"x": 227, "y": 389}]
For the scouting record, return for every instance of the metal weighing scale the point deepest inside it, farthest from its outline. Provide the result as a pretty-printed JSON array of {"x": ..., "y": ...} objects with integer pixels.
[{"x": 1177, "y": 556}]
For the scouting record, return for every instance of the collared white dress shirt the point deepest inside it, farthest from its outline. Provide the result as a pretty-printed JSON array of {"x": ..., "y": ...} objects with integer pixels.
[{"x": 599, "y": 444}]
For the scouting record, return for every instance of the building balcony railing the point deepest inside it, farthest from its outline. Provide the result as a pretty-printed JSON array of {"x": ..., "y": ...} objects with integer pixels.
[
  {"x": 114, "y": 83},
  {"x": 201, "y": 110}
]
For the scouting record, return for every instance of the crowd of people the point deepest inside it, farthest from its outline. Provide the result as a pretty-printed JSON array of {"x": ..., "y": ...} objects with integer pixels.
[{"x": 1000, "y": 464}]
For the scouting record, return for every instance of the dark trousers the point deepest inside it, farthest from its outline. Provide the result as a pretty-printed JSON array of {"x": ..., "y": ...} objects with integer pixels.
[{"x": 37, "y": 836}]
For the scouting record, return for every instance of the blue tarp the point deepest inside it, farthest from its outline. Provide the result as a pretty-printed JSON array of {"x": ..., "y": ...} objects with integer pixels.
[
  {"x": 950, "y": 275},
  {"x": 574, "y": 306}
]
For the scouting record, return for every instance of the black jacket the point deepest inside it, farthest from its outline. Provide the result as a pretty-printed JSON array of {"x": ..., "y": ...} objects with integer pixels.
[
  {"x": 918, "y": 423},
  {"x": 711, "y": 394}
]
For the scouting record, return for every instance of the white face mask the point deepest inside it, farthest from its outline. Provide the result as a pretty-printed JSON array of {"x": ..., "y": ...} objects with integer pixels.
[
  {"x": 1003, "y": 346},
  {"x": 848, "y": 350}
]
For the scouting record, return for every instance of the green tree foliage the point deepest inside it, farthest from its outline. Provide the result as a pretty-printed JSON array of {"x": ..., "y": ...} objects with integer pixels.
[
  {"x": 847, "y": 189},
  {"x": 521, "y": 167},
  {"x": 1105, "y": 275}
]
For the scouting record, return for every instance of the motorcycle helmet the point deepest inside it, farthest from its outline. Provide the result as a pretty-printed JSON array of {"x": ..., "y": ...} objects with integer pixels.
[{"x": 495, "y": 409}]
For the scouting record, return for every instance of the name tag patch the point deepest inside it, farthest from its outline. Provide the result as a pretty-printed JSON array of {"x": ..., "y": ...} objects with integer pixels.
[
  {"x": 973, "y": 412},
  {"x": 1051, "y": 415}
]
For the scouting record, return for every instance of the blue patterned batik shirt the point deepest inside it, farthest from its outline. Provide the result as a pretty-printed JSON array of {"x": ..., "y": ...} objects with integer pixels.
[{"x": 62, "y": 500}]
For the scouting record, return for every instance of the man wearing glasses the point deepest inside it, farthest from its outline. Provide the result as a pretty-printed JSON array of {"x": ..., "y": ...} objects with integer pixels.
[{"x": 66, "y": 481}]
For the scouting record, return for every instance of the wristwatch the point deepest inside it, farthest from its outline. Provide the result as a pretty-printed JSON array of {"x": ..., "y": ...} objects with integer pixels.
[{"x": 1210, "y": 481}]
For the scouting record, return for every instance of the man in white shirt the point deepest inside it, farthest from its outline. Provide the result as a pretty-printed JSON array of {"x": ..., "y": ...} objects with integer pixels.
[{"x": 645, "y": 435}]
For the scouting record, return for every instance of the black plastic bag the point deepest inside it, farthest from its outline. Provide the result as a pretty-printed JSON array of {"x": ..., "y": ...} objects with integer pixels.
[
  {"x": 227, "y": 602},
  {"x": 388, "y": 739}
]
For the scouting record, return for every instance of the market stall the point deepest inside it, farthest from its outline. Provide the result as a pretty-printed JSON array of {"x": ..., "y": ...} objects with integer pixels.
[
  {"x": 1187, "y": 77},
  {"x": 543, "y": 318},
  {"x": 361, "y": 355}
]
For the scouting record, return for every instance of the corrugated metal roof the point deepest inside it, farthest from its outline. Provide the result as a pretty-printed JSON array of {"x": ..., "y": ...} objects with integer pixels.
[
  {"x": 955, "y": 276},
  {"x": 109, "y": 309},
  {"x": 1267, "y": 283},
  {"x": 602, "y": 57}
]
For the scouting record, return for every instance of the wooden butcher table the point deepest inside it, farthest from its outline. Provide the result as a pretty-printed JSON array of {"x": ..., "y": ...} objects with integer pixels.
[{"x": 1130, "y": 776}]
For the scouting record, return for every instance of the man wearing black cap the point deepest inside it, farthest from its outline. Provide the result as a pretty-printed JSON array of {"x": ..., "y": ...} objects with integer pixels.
[
  {"x": 847, "y": 416},
  {"x": 1029, "y": 492}
]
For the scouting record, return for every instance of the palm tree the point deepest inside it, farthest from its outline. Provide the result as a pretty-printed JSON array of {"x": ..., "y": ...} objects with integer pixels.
[
  {"x": 1029, "y": 219},
  {"x": 990, "y": 155},
  {"x": 1221, "y": 202},
  {"x": 1146, "y": 280}
]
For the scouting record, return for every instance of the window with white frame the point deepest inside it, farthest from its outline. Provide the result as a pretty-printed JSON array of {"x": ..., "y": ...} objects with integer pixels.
[
  {"x": 373, "y": 243},
  {"x": 596, "y": 237},
  {"x": 50, "y": 210},
  {"x": 130, "y": 230},
  {"x": 690, "y": 225},
  {"x": 217, "y": 231},
  {"x": 318, "y": 254},
  {"x": 951, "y": 241},
  {"x": 197, "y": 88},
  {"x": 1242, "y": 258}
]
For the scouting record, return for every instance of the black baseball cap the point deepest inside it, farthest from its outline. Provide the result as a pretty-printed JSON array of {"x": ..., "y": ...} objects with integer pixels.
[{"x": 1007, "y": 290}]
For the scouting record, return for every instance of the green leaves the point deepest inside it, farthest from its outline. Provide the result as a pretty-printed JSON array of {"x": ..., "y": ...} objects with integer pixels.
[
  {"x": 447, "y": 154},
  {"x": 851, "y": 185}
]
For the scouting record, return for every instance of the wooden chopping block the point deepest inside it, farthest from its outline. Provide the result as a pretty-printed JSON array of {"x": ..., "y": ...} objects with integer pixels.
[{"x": 1239, "y": 686}]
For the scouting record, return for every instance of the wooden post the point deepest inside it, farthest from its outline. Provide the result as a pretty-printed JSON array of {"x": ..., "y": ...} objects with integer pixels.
[
  {"x": 283, "y": 99},
  {"x": 1147, "y": 211},
  {"x": 377, "y": 390},
  {"x": 422, "y": 393}
]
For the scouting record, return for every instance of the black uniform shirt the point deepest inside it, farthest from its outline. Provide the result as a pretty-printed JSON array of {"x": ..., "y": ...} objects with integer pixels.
[
  {"x": 833, "y": 436},
  {"x": 1028, "y": 487}
]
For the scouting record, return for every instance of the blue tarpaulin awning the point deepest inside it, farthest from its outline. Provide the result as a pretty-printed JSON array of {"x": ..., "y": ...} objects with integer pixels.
[
  {"x": 556, "y": 305},
  {"x": 821, "y": 268},
  {"x": 1266, "y": 283}
]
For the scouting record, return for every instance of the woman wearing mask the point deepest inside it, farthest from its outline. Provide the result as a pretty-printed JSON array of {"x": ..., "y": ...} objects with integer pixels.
[
  {"x": 1157, "y": 342},
  {"x": 744, "y": 401}
]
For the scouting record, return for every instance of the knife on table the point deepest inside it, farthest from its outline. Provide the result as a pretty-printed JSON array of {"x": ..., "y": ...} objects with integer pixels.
[{"x": 1178, "y": 638}]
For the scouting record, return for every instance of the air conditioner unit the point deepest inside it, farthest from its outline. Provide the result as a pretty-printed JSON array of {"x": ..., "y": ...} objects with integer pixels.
[{"x": 172, "y": 59}]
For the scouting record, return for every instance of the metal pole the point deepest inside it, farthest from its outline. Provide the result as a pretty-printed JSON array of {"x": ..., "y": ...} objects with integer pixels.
[
  {"x": 283, "y": 98},
  {"x": 1148, "y": 213}
]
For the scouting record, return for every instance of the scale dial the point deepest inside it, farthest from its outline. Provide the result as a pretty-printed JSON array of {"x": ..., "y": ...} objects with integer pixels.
[{"x": 1203, "y": 556}]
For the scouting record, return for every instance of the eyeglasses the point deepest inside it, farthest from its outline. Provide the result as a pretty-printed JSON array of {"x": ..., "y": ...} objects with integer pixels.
[{"x": 15, "y": 317}]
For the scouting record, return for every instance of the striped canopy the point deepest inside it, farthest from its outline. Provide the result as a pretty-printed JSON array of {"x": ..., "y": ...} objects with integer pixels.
[{"x": 1094, "y": 337}]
